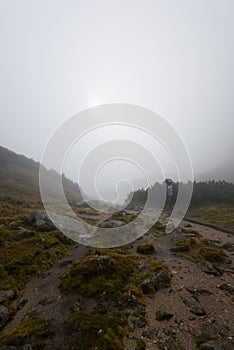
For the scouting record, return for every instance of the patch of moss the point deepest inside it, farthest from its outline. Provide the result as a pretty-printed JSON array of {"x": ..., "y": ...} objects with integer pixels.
[
  {"x": 113, "y": 279},
  {"x": 45, "y": 301},
  {"x": 33, "y": 330},
  {"x": 146, "y": 249},
  {"x": 204, "y": 337},
  {"x": 214, "y": 255},
  {"x": 184, "y": 246},
  {"x": 112, "y": 274},
  {"x": 22, "y": 255},
  {"x": 95, "y": 331},
  {"x": 205, "y": 252},
  {"x": 158, "y": 228}
]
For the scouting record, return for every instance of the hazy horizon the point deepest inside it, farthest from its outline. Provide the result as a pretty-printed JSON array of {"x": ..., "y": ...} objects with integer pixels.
[{"x": 59, "y": 58}]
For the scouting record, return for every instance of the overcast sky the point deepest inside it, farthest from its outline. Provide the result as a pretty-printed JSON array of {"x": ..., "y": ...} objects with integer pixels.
[{"x": 174, "y": 57}]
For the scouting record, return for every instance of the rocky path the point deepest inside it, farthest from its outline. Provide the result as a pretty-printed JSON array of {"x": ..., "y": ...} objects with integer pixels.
[
  {"x": 193, "y": 305},
  {"x": 42, "y": 295}
]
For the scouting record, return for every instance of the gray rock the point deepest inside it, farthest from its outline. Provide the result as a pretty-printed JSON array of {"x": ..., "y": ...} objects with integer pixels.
[
  {"x": 227, "y": 287},
  {"x": 163, "y": 315},
  {"x": 178, "y": 239},
  {"x": 138, "y": 323},
  {"x": 6, "y": 294},
  {"x": 194, "y": 306},
  {"x": 186, "y": 229},
  {"x": 103, "y": 259},
  {"x": 211, "y": 346},
  {"x": 210, "y": 269},
  {"x": 26, "y": 347},
  {"x": 155, "y": 281},
  {"x": 66, "y": 262},
  {"x": 150, "y": 333},
  {"x": 40, "y": 219},
  {"x": 143, "y": 264},
  {"x": 4, "y": 315},
  {"x": 228, "y": 246},
  {"x": 131, "y": 336}
]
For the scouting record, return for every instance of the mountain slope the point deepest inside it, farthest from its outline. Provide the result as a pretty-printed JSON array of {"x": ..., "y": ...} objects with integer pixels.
[{"x": 19, "y": 183}]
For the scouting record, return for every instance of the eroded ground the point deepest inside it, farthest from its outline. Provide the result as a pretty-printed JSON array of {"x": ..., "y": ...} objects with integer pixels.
[{"x": 164, "y": 291}]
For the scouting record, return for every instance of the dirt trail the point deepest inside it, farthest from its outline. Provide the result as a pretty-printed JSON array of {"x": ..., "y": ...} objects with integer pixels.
[
  {"x": 43, "y": 296},
  {"x": 182, "y": 330}
]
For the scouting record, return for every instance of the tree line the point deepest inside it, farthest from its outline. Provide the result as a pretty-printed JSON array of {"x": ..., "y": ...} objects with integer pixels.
[{"x": 204, "y": 192}]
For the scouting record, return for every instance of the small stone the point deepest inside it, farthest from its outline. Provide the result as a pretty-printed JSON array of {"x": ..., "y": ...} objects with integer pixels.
[
  {"x": 194, "y": 306},
  {"x": 155, "y": 280},
  {"x": 149, "y": 333},
  {"x": 131, "y": 336},
  {"x": 210, "y": 269},
  {"x": 163, "y": 315},
  {"x": 6, "y": 294},
  {"x": 138, "y": 323},
  {"x": 100, "y": 332},
  {"x": 227, "y": 287},
  {"x": 140, "y": 344},
  {"x": 26, "y": 347},
  {"x": 4, "y": 315},
  {"x": 66, "y": 262},
  {"x": 211, "y": 346},
  {"x": 143, "y": 264}
]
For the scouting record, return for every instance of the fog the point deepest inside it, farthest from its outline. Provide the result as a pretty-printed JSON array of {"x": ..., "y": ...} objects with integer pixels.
[{"x": 173, "y": 57}]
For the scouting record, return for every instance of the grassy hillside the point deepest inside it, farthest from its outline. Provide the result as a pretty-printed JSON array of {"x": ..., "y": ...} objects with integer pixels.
[
  {"x": 25, "y": 250},
  {"x": 19, "y": 184}
]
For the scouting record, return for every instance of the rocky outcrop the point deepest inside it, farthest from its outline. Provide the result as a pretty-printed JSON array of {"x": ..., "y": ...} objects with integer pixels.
[{"x": 40, "y": 219}]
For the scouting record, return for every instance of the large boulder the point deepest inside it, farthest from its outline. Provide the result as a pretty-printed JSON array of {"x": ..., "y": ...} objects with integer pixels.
[{"x": 40, "y": 219}]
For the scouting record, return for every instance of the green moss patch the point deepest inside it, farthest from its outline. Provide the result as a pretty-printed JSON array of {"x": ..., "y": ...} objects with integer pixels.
[
  {"x": 98, "y": 332},
  {"x": 33, "y": 330},
  {"x": 113, "y": 280},
  {"x": 146, "y": 249},
  {"x": 23, "y": 255}
]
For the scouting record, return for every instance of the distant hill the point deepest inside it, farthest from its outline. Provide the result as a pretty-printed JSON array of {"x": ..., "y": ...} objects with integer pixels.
[{"x": 19, "y": 183}]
